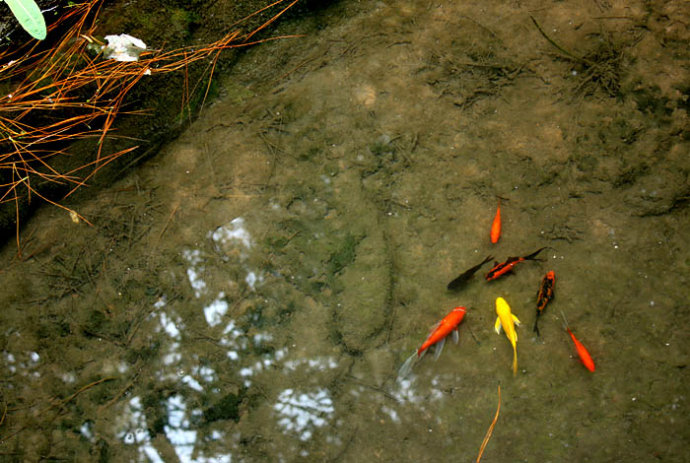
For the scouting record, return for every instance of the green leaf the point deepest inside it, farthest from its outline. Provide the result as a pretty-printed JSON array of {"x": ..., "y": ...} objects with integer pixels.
[{"x": 29, "y": 16}]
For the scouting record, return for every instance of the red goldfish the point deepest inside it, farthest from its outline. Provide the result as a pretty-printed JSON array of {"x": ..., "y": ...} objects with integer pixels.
[{"x": 447, "y": 325}]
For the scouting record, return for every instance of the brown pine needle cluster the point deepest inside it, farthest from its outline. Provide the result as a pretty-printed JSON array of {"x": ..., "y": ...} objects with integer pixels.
[{"x": 71, "y": 91}]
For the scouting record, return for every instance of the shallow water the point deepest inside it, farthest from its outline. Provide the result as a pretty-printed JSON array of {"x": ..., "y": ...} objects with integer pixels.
[{"x": 251, "y": 292}]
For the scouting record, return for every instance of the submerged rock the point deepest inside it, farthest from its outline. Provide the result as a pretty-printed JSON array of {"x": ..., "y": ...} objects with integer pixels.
[
  {"x": 363, "y": 305},
  {"x": 658, "y": 194}
]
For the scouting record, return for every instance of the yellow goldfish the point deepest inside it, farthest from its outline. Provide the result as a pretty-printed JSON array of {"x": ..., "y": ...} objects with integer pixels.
[{"x": 507, "y": 320}]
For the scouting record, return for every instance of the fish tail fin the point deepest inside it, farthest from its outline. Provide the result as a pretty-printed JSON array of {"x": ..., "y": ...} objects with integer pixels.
[
  {"x": 514, "y": 361},
  {"x": 536, "y": 328},
  {"x": 534, "y": 254},
  {"x": 406, "y": 367},
  {"x": 565, "y": 321}
]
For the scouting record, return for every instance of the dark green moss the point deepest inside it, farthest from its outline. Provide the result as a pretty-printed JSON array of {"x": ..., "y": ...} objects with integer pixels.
[
  {"x": 650, "y": 101},
  {"x": 344, "y": 254},
  {"x": 227, "y": 408}
]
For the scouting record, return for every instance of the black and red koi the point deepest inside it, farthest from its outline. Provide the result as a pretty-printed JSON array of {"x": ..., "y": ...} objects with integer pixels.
[
  {"x": 460, "y": 281},
  {"x": 505, "y": 267},
  {"x": 544, "y": 295}
]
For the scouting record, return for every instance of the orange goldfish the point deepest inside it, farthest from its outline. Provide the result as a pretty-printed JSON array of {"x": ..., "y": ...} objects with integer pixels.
[
  {"x": 496, "y": 225},
  {"x": 582, "y": 352},
  {"x": 439, "y": 332}
]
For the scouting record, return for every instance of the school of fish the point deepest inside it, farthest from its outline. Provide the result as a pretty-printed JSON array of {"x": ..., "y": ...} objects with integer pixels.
[{"x": 506, "y": 320}]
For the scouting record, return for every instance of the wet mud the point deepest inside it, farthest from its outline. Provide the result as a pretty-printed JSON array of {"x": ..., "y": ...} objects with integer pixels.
[{"x": 250, "y": 292}]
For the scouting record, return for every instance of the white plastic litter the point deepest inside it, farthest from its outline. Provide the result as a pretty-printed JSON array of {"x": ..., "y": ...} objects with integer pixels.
[{"x": 123, "y": 47}]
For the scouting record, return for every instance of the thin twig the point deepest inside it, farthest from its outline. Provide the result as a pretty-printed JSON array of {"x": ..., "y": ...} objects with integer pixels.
[
  {"x": 560, "y": 48},
  {"x": 4, "y": 414},
  {"x": 491, "y": 428},
  {"x": 167, "y": 222},
  {"x": 121, "y": 392},
  {"x": 84, "y": 388}
]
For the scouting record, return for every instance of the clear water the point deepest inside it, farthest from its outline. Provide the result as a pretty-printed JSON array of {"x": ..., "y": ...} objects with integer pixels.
[{"x": 250, "y": 294}]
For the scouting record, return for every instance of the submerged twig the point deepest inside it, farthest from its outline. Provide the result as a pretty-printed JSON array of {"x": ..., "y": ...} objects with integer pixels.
[
  {"x": 60, "y": 403},
  {"x": 560, "y": 48},
  {"x": 121, "y": 392},
  {"x": 4, "y": 414},
  {"x": 602, "y": 66},
  {"x": 491, "y": 428}
]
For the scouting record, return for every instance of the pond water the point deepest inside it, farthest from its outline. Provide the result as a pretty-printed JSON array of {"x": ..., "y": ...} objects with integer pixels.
[{"x": 251, "y": 292}]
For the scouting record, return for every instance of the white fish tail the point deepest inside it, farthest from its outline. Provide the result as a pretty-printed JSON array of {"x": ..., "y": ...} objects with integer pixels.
[{"x": 406, "y": 367}]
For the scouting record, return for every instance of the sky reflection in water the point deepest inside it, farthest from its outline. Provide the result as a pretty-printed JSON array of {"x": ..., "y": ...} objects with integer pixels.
[{"x": 297, "y": 411}]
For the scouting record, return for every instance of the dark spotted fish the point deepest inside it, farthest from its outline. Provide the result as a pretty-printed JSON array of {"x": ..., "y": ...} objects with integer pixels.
[
  {"x": 507, "y": 266},
  {"x": 544, "y": 295},
  {"x": 460, "y": 281}
]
